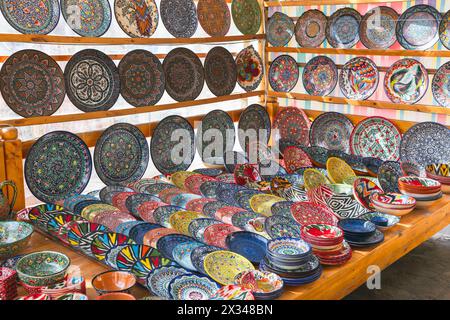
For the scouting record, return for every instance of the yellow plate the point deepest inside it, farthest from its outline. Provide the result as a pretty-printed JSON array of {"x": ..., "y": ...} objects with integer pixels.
[
  {"x": 179, "y": 177},
  {"x": 92, "y": 210},
  {"x": 339, "y": 170},
  {"x": 180, "y": 220},
  {"x": 262, "y": 203},
  {"x": 314, "y": 178},
  {"x": 223, "y": 266}
]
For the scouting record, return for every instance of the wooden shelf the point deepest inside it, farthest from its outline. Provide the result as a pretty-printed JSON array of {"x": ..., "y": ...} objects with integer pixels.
[{"x": 306, "y": 3}]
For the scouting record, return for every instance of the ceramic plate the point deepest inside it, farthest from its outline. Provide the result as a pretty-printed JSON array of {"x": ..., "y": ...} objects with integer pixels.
[
  {"x": 70, "y": 202},
  {"x": 167, "y": 243},
  {"x": 209, "y": 189},
  {"x": 320, "y": 76},
  {"x": 103, "y": 243},
  {"x": 314, "y": 178},
  {"x": 377, "y": 28},
  {"x": 133, "y": 253},
  {"x": 339, "y": 170},
  {"x": 181, "y": 220},
  {"x": 363, "y": 189},
  {"x": 282, "y": 208},
  {"x": 107, "y": 193},
  {"x": 246, "y": 15},
  {"x": 133, "y": 202},
  {"x": 227, "y": 194},
  {"x": 156, "y": 188},
  {"x": 243, "y": 197},
  {"x": 406, "y": 81},
  {"x": 179, "y": 17},
  {"x": 310, "y": 29},
  {"x": 214, "y": 17},
  {"x": 282, "y": 226},
  {"x": 388, "y": 175},
  {"x": 182, "y": 254},
  {"x": 138, "y": 19},
  {"x": 248, "y": 244},
  {"x": 358, "y": 79},
  {"x": 331, "y": 130},
  {"x": 58, "y": 166},
  {"x": 441, "y": 85},
  {"x": 158, "y": 279},
  {"x": 198, "y": 256},
  {"x": 283, "y": 73},
  {"x": 444, "y": 30},
  {"x": 344, "y": 206},
  {"x": 216, "y": 234},
  {"x": 95, "y": 18},
  {"x": 162, "y": 215},
  {"x": 193, "y": 183},
  {"x": 293, "y": 125},
  {"x": 220, "y": 71},
  {"x": 192, "y": 287},
  {"x": 280, "y": 29},
  {"x": 253, "y": 122},
  {"x": 233, "y": 292},
  {"x": 295, "y": 158},
  {"x": 197, "y": 227},
  {"x": 250, "y": 68},
  {"x": 211, "y": 208},
  {"x": 223, "y": 266},
  {"x": 343, "y": 28},
  {"x": 82, "y": 234},
  {"x": 306, "y": 213},
  {"x": 31, "y": 82},
  {"x": 241, "y": 219},
  {"x": 142, "y": 268}
]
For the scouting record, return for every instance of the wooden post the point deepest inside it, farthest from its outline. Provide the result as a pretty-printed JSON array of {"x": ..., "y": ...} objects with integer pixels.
[{"x": 263, "y": 53}]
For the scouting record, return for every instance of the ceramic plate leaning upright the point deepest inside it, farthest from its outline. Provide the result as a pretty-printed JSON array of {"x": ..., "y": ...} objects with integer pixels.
[{"x": 343, "y": 28}]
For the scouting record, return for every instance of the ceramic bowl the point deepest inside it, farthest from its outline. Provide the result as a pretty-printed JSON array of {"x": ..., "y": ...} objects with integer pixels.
[
  {"x": 42, "y": 268},
  {"x": 113, "y": 281},
  {"x": 418, "y": 184},
  {"x": 392, "y": 200},
  {"x": 395, "y": 212},
  {"x": 116, "y": 296},
  {"x": 14, "y": 237},
  {"x": 439, "y": 169}
]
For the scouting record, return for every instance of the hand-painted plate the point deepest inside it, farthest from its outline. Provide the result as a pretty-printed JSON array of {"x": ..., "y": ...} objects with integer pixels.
[
  {"x": 250, "y": 69},
  {"x": 210, "y": 172},
  {"x": 197, "y": 227},
  {"x": 282, "y": 208},
  {"x": 162, "y": 144},
  {"x": 181, "y": 220},
  {"x": 343, "y": 28},
  {"x": 426, "y": 143},
  {"x": 108, "y": 192},
  {"x": 376, "y": 137},
  {"x": 358, "y": 79},
  {"x": 320, "y": 76},
  {"x": 306, "y": 213},
  {"x": 103, "y": 243},
  {"x": 198, "y": 204},
  {"x": 388, "y": 175},
  {"x": 261, "y": 203},
  {"x": 70, "y": 202},
  {"x": 363, "y": 189},
  {"x": 58, "y": 224},
  {"x": 179, "y": 177},
  {"x": 406, "y": 81},
  {"x": 223, "y": 266},
  {"x": 418, "y": 27},
  {"x": 293, "y": 125},
  {"x": 192, "y": 287},
  {"x": 167, "y": 243},
  {"x": 92, "y": 81},
  {"x": 124, "y": 228},
  {"x": 220, "y": 71},
  {"x": 282, "y": 226},
  {"x": 310, "y": 29},
  {"x": 295, "y": 158},
  {"x": 339, "y": 170},
  {"x": 58, "y": 166},
  {"x": 31, "y": 17},
  {"x": 280, "y": 29},
  {"x": 32, "y": 83},
  {"x": 158, "y": 279},
  {"x": 248, "y": 244},
  {"x": 314, "y": 178},
  {"x": 142, "y": 81},
  {"x": 182, "y": 254},
  {"x": 142, "y": 268},
  {"x": 377, "y": 28},
  {"x": 444, "y": 30},
  {"x": 243, "y": 197},
  {"x": 214, "y": 17},
  {"x": 133, "y": 253},
  {"x": 242, "y": 219},
  {"x": 441, "y": 85},
  {"x": 95, "y": 17},
  {"x": 246, "y": 15},
  {"x": 209, "y": 189},
  {"x": 156, "y": 188},
  {"x": 193, "y": 183},
  {"x": 211, "y": 208},
  {"x": 133, "y": 202},
  {"x": 331, "y": 130},
  {"x": 283, "y": 73},
  {"x": 137, "y": 18},
  {"x": 198, "y": 256},
  {"x": 344, "y": 206},
  {"x": 227, "y": 193},
  {"x": 162, "y": 215},
  {"x": 121, "y": 154},
  {"x": 216, "y": 234},
  {"x": 179, "y": 17},
  {"x": 184, "y": 74},
  {"x": 82, "y": 234}
]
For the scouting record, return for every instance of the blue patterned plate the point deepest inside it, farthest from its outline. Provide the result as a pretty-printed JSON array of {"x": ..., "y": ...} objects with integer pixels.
[
  {"x": 142, "y": 268},
  {"x": 108, "y": 192},
  {"x": 167, "y": 243},
  {"x": 211, "y": 208},
  {"x": 211, "y": 172},
  {"x": 282, "y": 208},
  {"x": 182, "y": 254},
  {"x": 227, "y": 193},
  {"x": 124, "y": 228},
  {"x": 158, "y": 279},
  {"x": 135, "y": 200},
  {"x": 138, "y": 232},
  {"x": 162, "y": 215},
  {"x": 192, "y": 287},
  {"x": 95, "y": 17},
  {"x": 198, "y": 256},
  {"x": 282, "y": 226},
  {"x": 197, "y": 227},
  {"x": 241, "y": 219},
  {"x": 209, "y": 189},
  {"x": 248, "y": 244},
  {"x": 180, "y": 200},
  {"x": 156, "y": 188},
  {"x": 388, "y": 175},
  {"x": 242, "y": 197},
  {"x": 69, "y": 203},
  {"x": 343, "y": 28}
]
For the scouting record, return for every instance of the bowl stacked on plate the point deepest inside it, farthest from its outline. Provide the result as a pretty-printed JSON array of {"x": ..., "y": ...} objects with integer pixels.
[
  {"x": 327, "y": 243},
  {"x": 292, "y": 260},
  {"x": 8, "y": 284},
  {"x": 424, "y": 190},
  {"x": 440, "y": 172},
  {"x": 393, "y": 203},
  {"x": 360, "y": 232}
]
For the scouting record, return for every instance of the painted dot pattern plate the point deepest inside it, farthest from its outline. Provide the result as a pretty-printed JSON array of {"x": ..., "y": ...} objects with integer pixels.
[
  {"x": 283, "y": 73},
  {"x": 95, "y": 17},
  {"x": 320, "y": 76},
  {"x": 280, "y": 29},
  {"x": 358, "y": 79},
  {"x": 220, "y": 71},
  {"x": 293, "y": 125},
  {"x": 343, "y": 28},
  {"x": 377, "y": 28},
  {"x": 246, "y": 15},
  {"x": 179, "y": 17},
  {"x": 310, "y": 29},
  {"x": 331, "y": 130}
]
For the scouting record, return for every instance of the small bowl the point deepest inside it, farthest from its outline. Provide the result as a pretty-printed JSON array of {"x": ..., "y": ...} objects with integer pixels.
[
  {"x": 116, "y": 296},
  {"x": 388, "y": 220},
  {"x": 14, "y": 237},
  {"x": 113, "y": 282}
]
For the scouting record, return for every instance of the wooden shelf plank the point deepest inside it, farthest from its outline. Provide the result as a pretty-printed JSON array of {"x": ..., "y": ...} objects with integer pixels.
[{"x": 305, "y": 3}]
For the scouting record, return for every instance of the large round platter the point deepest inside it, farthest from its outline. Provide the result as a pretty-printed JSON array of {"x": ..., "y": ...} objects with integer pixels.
[
  {"x": 418, "y": 27},
  {"x": 376, "y": 137},
  {"x": 179, "y": 17},
  {"x": 223, "y": 266},
  {"x": 253, "y": 120},
  {"x": 293, "y": 125},
  {"x": 137, "y": 18},
  {"x": 192, "y": 287},
  {"x": 104, "y": 242},
  {"x": 92, "y": 81},
  {"x": 214, "y": 17},
  {"x": 388, "y": 175},
  {"x": 250, "y": 69},
  {"x": 331, "y": 130},
  {"x": 32, "y": 83},
  {"x": 377, "y": 28},
  {"x": 142, "y": 80},
  {"x": 441, "y": 85},
  {"x": 121, "y": 154},
  {"x": 310, "y": 29},
  {"x": 426, "y": 143},
  {"x": 161, "y": 145},
  {"x": 358, "y": 79},
  {"x": 246, "y": 15},
  {"x": 167, "y": 243},
  {"x": 343, "y": 28},
  {"x": 320, "y": 76},
  {"x": 444, "y": 30},
  {"x": 184, "y": 74},
  {"x": 280, "y": 29},
  {"x": 220, "y": 71},
  {"x": 31, "y": 17},
  {"x": 133, "y": 253},
  {"x": 158, "y": 279},
  {"x": 248, "y": 244},
  {"x": 95, "y": 16},
  {"x": 283, "y": 73},
  {"x": 306, "y": 213},
  {"x": 406, "y": 81},
  {"x": 282, "y": 226},
  {"x": 58, "y": 166}
]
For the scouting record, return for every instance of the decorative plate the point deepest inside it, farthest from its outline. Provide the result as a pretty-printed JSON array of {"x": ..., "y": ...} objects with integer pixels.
[
  {"x": 145, "y": 210},
  {"x": 344, "y": 206},
  {"x": 152, "y": 236},
  {"x": 331, "y": 130},
  {"x": 193, "y": 183},
  {"x": 261, "y": 203},
  {"x": 282, "y": 208},
  {"x": 79, "y": 207},
  {"x": 318, "y": 155},
  {"x": 31, "y": 17},
  {"x": 181, "y": 220},
  {"x": 377, "y": 28},
  {"x": 338, "y": 170},
  {"x": 441, "y": 85},
  {"x": 133, "y": 253},
  {"x": 376, "y": 137},
  {"x": 103, "y": 243},
  {"x": 220, "y": 71},
  {"x": 418, "y": 27},
  {"x": 167, "y": 243},
  {"x": 184, "y": 73},
  {"x": 283, "y": 73},
  {"x": 208, "y": 189},
  {"x": 243, "y": 197},
  {"x": 82, "y": 234},
  {"x": 92, "y": 81},
  {"x": 162, "y": 215},
  {"x": 124, "y": 228},
  {"x": 181, "y": 200},
  {"x": 406, "y": 81},
  {"x": 197, "y": 204},
  {"x": 214, "y": 17},
  {"x": 216, "y": 234},
  {"x": 137, "y": 18},
  {"x": 262, "y": 283},
  {"x": 306, "y": 213},
  {"x": 250, "y": 68},
  {"x": 142, "y": 268},
  {"x": 388, "y": 175},
  {"x": 192, "y": 287},
  {"x": 233, "y": 292},
  {"x": 167, "y": 194},
  {"x": 121, "y": 154},
  {"x": 343, "y": 28},
  {"x": 156, "y": 188},
  {"x": 70, "y": 202},
  {"x": 179, "y": 17},
  {"x": 92, "y": 210},
  {"x": 179, "y": 177},
  {"x": 314, "y": 178},
  {"x": 133, "y": 202},
  {"x": 282, "y": 226},
  {"x": 310, "y": 29},
  {"x": 444, "y": 30},
  {"x": 142, "y": 81},
  {"x": 295, "y": 158},
  {"x": 320, "y": 76},
  {"x": 164, "y": 140},
  {"x": 363, "y": 189},
  {"x": 280, "y": 29},
  {"x": 182, "y": 254},
  {"x": 246, "y": 15},
  {"x": 358, "y": 79},
  {"x": 215, "y": 134},
  {"x": 254, "y": 122},
  {"x": 426, "y": 143},
  {"x": 223, "y": 266},
  {"x": 32, "y": 83},
  {"x": 58, "y": 223},
  {"x": 158, "y": 279},
  {"x": 198, "y": 256},
  {"x": 293, "y": 125},
  {"x": 94, "y": 20},
  {"x": 248, "y": 244},
  {"x": 58, "y": 166},
  {"x": 210, "y": 172},
  {"x": 197, "y": 227},
  {"x": 108, "y": 192},
  {"x": 211, "y": 208}
]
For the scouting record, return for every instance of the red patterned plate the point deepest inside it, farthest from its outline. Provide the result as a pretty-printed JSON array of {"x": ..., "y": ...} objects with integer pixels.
[
  {"x": 146, "y": 209},
  {"x": 216, "y": 234},
  {"x": 295, "y": 158},
  {"x": 292, "y": 125},
  {"x": 118, "y": 200},
  {"x": 225, "y": 211},
  {"x": 307, "y": 213},
  {"x": 193, "y": 183},
  {"x": 197, "y": 204},
  {"x": 151, "y": 237}
]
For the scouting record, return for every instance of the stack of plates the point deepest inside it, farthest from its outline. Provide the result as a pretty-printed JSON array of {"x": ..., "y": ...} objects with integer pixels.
[
  {"x": 440, "y": 172},
  {"x": 8, "y": 284},
  {"x": 292, "y": 260},
  {"x": 327, "y": 243},
  {"x": 393, "y": 203},
  {"x": 424, "y": 190},
  {"x": 360, "y": 232}
]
